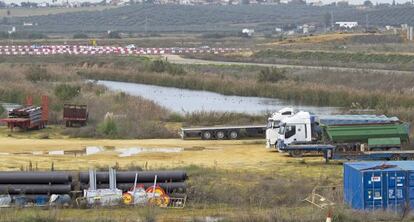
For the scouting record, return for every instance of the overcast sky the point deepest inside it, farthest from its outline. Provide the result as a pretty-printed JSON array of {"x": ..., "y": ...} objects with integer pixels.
[{"x": 324, "y": 1}]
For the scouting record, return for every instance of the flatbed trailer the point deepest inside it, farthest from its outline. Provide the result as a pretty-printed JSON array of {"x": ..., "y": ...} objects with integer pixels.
[
  {"x": 224, "y": 132},
  {"x": 331, "y": 153}
]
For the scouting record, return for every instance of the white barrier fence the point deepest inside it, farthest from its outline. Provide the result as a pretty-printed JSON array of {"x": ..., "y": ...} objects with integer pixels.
[{"x": 20, "y": 50}]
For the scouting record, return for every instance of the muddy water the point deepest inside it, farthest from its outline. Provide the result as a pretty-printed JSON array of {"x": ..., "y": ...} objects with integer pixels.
[{"x": 183, "y": 100}]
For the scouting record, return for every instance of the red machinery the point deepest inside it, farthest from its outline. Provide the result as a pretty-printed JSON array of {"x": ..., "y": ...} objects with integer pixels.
[
  {"x": 75, "y": 114},
  {"x": 29, "y": 117}
]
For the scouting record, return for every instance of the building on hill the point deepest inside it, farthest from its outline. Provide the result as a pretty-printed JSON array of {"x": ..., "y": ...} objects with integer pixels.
[{"x": 347, "y": 25}]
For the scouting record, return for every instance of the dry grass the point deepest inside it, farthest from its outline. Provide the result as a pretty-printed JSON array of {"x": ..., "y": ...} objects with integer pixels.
[{"x": 316, "y": 39}]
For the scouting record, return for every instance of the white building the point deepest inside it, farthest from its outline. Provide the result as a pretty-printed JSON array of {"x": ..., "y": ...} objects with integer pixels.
[
  {"x": 348, "y": 25},
  {"x": 248, "y": 32}
]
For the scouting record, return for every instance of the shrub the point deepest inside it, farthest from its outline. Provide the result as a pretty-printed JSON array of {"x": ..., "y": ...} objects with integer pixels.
[
  {"x": 108, "y": 127},
  {"x": 80, "y": 36},
  {"x": 114, "y": 35},
  {"x": 164, "y": 66},
  {"x": 66, "y": 92},
  {"x": 28, "y": 35},
  {"x": 37, "y": 73},
  {"x": 158, "y": 66},
  {"x": 271, "y": 75}
]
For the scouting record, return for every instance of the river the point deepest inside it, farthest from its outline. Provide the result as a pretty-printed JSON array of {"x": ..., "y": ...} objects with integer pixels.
[{"x": 184, "y": 100}]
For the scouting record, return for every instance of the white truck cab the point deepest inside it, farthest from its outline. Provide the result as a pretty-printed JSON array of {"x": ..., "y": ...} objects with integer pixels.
[
  {"x": 272, "y": 131},
  {"x": 296, "y": 128}
]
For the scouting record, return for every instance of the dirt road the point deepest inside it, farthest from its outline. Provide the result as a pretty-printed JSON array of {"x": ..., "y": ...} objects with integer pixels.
[{"x": 180, "y": 60}]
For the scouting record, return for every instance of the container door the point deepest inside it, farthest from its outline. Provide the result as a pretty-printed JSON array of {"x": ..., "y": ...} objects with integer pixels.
[
  {"x": 396, "y": 192},
  {"x": 373, "y": 190},
  {"x": 411, "y": 189}
]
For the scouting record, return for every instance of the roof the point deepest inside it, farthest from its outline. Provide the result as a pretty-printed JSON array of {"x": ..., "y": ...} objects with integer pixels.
[{"x": 393, "y": 165}]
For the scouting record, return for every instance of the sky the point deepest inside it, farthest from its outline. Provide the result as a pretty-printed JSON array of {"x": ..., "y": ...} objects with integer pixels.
[{"x": 324, "y": 1}]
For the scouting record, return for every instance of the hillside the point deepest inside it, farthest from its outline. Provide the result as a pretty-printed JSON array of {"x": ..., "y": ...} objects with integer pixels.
[{"x": 202, "y": 18}]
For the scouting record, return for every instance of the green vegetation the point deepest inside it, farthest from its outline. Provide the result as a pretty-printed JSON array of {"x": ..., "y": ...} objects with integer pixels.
[
  {"x": 80, "y": 36},
  {"x": 271, "y": 75},
  {"x": 23, "y": 35},
  {"x": 37, "y": 73},
  {"x": 67, "y": 92},
  {"x": 209, "y": 18},
  {"x": 392, "y": 61},
  {"x": 164, "y": 66},
  {"x": 317, "y": 57},
  {"x": 108, "y": 127},
  {"x": 134, "y": 117}
]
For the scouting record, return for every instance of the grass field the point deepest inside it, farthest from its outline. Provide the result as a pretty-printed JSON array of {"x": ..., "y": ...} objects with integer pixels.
[
  {"x": 228, "y": 180},
  {"x": 22, "y": 12}
]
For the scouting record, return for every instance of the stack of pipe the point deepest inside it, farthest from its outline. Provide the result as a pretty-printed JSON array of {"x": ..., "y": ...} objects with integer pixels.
[
  {"x": 34, "y": 113},
  {"x": 170, "y": 181},
  {"x": 35, "y": 183}
]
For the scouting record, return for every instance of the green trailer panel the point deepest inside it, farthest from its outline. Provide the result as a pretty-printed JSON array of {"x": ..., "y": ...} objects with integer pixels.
[
  {"x": 362, "y": 133},
  {"x": 380, "y": 142}
]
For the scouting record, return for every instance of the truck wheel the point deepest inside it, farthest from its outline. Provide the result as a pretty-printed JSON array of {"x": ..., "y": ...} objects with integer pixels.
[
  {"x": 220, "y": 135},
  {"x": 206, "y": 135},
  {"x": 296, "y": 153},
  {"x": 395, "y": 157},
  {"x": 234, "y": 135}
]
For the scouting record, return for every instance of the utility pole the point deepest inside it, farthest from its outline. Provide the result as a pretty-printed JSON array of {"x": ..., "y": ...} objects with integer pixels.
[
  {"x": 366, "y": 22},
  {"x": 332, "y": 19},
  {"x": 146, "y": 24}
]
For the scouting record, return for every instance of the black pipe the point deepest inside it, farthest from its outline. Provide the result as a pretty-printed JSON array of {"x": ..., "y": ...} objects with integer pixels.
[
  {"x": 35, "y": 189},
  {"x": 17, "y": 177},
  {"x": 143, "y": 176},
  {"x": 179, "y": 187}
]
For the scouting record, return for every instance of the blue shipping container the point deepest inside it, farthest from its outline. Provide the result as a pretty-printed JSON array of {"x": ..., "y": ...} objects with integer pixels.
[{"x": 379, "y": 185}]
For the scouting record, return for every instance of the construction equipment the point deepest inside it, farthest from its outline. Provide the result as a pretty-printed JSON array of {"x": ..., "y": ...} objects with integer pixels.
[
  {"x": 75, "y": 115},
  {"x": 29, "y": 117}
]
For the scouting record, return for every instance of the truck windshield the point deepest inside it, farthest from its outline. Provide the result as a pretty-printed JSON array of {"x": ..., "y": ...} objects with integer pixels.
[
  {"x": 270, "y": 124},
  {"x": 282, "y": 130}
]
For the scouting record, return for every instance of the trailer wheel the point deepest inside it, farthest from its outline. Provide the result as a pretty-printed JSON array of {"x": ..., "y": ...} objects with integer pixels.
[
  {"x": 220, "y": 135},
  {"x": 234, "y": 134},
  {"x": 395, "y": 157},
  {"x": 206, "y": 135},
  {"x": 410, "y": 157},
  {"x": 296, "y": 153}
]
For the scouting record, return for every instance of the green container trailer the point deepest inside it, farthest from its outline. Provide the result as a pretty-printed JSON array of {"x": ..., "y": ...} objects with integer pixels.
[{"x": 369, "y": 134}]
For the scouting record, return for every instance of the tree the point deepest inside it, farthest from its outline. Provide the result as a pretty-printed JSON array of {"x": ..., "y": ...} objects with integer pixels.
[
  {"x": 80, "y": 36},
  {"x": 66, "y": 92},
  {"x": 368, "y": 3}
]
